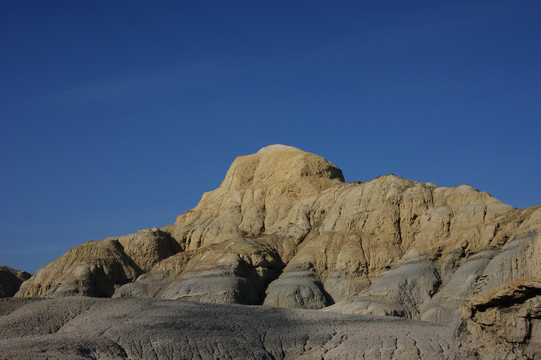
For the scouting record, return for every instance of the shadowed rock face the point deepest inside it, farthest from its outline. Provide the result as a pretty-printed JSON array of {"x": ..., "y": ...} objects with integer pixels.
[
  {"x": 284, "y": 229},
  {"x": 11, "y": 280}
]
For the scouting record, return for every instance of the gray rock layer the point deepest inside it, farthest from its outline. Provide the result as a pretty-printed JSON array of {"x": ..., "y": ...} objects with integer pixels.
[{"x": 83, "y": 328}]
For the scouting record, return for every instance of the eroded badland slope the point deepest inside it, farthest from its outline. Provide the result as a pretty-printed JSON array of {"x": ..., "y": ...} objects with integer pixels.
[{"x": 285, "y": 230}]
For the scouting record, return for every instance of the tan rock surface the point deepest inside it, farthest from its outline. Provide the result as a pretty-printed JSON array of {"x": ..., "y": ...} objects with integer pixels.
[
  {"x": 148, "y": 247},
  {"x": 503, "y": 321},
  {"x": 285, "y": 229},
  {"x": 96, "y": 268},
  {"x": 256, "y": 196}
]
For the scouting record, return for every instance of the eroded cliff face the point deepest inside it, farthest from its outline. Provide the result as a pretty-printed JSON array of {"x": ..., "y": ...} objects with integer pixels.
[
  {"x": 284, "y": 229},
  {"x": 503, "y": 320}
]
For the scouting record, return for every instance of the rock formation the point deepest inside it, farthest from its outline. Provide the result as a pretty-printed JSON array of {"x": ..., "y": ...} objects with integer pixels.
[
  {"x": 504, "y": 320},
  {"x": 11, "y": 280},
  {"x": 284, "y": 229}
]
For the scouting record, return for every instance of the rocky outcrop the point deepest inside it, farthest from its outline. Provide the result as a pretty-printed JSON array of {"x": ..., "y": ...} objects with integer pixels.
[
  {"x": 399, "y": 292},
  {"x": 96, "y": 268},
  {"x": 99, "y": 268},
  {"x": 11, "y": 280},
  {"x": 284, "y": 229},
  {"x": 505, "y": 320}
]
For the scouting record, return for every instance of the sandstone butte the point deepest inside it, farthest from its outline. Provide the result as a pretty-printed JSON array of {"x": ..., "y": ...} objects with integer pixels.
[{"x": 285, "y": 230}]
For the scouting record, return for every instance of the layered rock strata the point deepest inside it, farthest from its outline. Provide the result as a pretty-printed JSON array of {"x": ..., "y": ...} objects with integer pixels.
[{"x": 284, "y": 229}]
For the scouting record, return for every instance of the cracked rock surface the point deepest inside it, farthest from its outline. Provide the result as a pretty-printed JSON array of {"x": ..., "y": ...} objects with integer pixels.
[{"x": 138, "y": 328}]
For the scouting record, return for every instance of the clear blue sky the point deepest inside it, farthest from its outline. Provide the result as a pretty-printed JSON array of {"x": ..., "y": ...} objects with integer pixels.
[{"x": 117, "y": 116}]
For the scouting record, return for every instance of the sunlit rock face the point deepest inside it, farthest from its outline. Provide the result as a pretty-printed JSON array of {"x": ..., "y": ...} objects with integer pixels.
[{"x": 284, "y": 229}]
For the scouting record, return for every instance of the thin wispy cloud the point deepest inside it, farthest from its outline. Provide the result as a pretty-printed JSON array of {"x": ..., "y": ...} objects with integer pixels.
[{"x": 105, "y": 90}]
